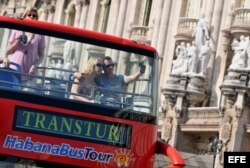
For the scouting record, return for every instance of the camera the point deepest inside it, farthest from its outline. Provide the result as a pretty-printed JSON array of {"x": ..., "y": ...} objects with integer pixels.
[
  {"x": 142, "y": 67},
  {"x": 23, "y": 38}
]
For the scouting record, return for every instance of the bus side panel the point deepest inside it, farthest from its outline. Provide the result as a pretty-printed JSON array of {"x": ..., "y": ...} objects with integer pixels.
[{"x": 40, "y": 143}]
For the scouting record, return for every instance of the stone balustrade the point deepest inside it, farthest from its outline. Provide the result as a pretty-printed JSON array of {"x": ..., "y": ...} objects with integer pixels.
[
  {"x": 185, "y": 29},
  {"x": 140, "y": 34},
  {"x": 58, "y": 47},
  {"x": 241, "y": 21},
  {"x": 187, "y": 24},
  {"x": 242, "y": 15},
  {"x": 203, "y": 113}
]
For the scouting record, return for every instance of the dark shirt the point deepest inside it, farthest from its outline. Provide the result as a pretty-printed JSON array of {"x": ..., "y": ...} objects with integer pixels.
[{"x": 116, "y": 83}]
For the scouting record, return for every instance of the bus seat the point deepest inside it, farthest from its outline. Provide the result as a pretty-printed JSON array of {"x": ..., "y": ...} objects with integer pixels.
[
  {"x": 55, "y": 88},
  {"x": 10, "y": 77}
]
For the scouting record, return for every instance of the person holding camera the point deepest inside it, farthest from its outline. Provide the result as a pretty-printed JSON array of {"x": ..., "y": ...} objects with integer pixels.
[
  {"x": 113, "y": 82},
  {"x": 25, "y": 48}
]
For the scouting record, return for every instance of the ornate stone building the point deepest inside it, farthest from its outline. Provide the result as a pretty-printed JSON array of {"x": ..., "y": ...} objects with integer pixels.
[{"x": 204, "y": 53}]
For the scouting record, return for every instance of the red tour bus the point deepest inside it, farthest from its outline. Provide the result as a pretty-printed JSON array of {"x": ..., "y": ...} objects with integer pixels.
[{"x": 41, "y": 122}]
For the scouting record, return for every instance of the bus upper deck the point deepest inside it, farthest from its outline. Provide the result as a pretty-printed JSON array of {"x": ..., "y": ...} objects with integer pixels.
[{"x": 41, "y": 119}]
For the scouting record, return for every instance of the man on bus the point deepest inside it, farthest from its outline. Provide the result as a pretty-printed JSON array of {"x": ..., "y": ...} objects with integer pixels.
[{"x": 112, "y": 82}]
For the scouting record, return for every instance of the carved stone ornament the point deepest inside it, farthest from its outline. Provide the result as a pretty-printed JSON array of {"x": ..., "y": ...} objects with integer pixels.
[
  {"x": 178, "y": 112},
  {"x": 222, "y": 110},
  {"x": 168, "y": 129},
  {"x": 226, "y": 130},
  {"x": 238, "y": 110}
]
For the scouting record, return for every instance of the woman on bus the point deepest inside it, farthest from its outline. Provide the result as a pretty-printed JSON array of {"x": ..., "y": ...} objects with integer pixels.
[
  {"x": 25, "y": 49},
  {"x": 83, "y": 82}
]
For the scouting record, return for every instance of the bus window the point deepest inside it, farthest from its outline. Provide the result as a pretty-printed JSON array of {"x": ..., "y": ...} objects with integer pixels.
[{"x": 64, "y": 57}]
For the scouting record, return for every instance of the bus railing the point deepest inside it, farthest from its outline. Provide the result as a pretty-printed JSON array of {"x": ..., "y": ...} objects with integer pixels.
[
  {"x": 60, "y": 88},
  {"x": 174, "y": 156}
]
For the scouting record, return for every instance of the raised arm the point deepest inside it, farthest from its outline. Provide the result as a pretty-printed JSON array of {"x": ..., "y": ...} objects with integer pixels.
[{"x": 131, "y": 78}]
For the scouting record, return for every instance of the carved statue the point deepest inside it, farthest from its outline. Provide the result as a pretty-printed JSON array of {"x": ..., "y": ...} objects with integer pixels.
[
  {"x": 180, "y": 64},
  {"x": 201, "y": 32},
  {"x": 240, "y": 54},
  {"x": 192, "y": 58},
  {"x": 204, "y": 56},
  {"x": 168, "y": 129}
]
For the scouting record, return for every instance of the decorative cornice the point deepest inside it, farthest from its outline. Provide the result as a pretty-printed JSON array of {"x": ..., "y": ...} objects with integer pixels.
[
  {"x": 199, "y": 127},
  {"x": 203, "y": 113}
]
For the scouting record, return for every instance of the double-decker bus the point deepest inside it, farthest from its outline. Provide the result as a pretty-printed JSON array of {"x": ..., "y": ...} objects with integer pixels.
[{"x": 40, "y": 122}]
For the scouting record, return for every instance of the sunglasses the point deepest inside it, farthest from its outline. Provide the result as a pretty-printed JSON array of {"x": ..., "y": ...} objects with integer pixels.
[
  {"x": 33, "y": 15},
  {"x": 98, "y": 64},
  {"x": 109, "y": 65}
]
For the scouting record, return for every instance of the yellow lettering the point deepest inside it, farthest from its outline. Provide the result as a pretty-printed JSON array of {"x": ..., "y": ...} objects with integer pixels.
[
  {"x": 53, "y": 123},
  {"x": 98, "y": 130},
  {"x": 89, "y": 124},
  {"x": 27, "y": 121},
  {"x": 67, "y": 124},
  {"x": 78, "y": 129},
  {"x": 113, "y": 133},
  {"x": 39, "y": 120}
]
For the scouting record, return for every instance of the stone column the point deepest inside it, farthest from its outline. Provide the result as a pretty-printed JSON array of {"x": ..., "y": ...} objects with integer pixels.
[
  {"x": 163, "y": 27},
  {"x": 223, "y": 49},
  {"x": 131, "y": 10},
  {"x": 92, "y": 15},
  {"x": 209, "y": 10},
  {"x": 157, "y": 21},
  {"x": 22, "y": 6},
  {"x": 101, "y": 15},
  {"x": 45, "y": 12},
  {"x": 78, "y": 7},
  {"x": 214, "y": 36},
  {"x": 51, "y": 10},
  {"x": 59, "y": 11},
  {"x": 121, "y": 18},
  {"x": 177, "y": 113},
  {"x": 170, "y": 42},
  {"x": 11, "y": 7},
  {"x": 112, "y": 21},
  {"x": 163, "y": 31},
  {"x": 4, "y": 41},
  {"x": 84, "y": 14},
  {"x": 120, "y": 26},
  {"x": 83, "y": 23}
]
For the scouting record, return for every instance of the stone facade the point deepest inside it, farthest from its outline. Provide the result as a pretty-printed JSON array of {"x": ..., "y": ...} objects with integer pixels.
[{"x": 196, "y": 108}]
